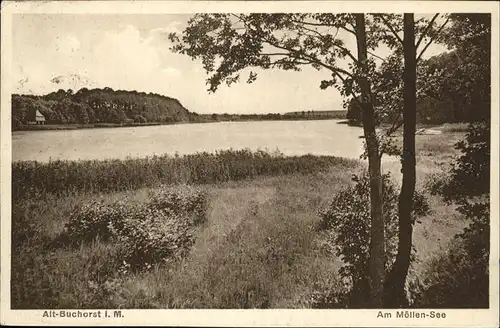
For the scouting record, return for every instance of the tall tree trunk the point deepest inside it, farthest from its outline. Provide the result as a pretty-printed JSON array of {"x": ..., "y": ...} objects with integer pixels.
[
  {"x": 377, "y": 240},
  {"x": 395, "y": 293}
]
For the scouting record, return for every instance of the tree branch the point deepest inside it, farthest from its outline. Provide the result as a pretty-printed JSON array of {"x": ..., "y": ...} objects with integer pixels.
[
  {"x": 432, "y": 39},
  {"x": 311, "y": 24},
  {"x": 345, "y": 28},
  {"x": 427, "y": 28},
  {"x": 398, "y": 122},
  {"x": 348, "y": 30},
  {"x": 303, "y": 55},
  {"x": 238, "y": 17},
  {"x": 319, "y": 35},
  {"x": 274, "y": 54},
  {"x": 376, "y": 56},
  {"x": 294, "y": 61},
  {"x": 360, "y": 104},
  {"x": 389, "y": 26},
  {"x": 337, "y": 32},
  {"x": 296, "y": 53}
]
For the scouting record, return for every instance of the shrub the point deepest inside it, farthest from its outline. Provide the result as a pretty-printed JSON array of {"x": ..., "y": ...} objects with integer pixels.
[
  {"x": 180, "y": 199},
  {"x": 347, "y": 220},
  {"x": 146, "y": 233},
  {"x": 335, "y": 295},
  {"x": 96, "y": 219},
  {"x": 470, "y": 175},
  {"x": 150, "y": 236},
  {"x": 476, "y": 237},
  {"x": 459, "y": 278}
]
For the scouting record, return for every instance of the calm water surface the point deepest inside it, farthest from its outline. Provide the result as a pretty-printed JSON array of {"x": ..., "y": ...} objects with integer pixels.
[{"x": 290, "y": 137}]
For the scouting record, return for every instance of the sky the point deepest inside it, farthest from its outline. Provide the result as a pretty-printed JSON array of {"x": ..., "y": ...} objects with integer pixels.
[{"x": 131, "y": 52}]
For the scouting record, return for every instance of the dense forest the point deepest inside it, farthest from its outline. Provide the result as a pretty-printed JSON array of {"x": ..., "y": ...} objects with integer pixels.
[
  {"x": 99, "y": 106},
  {"x": 450, "y": 100}
]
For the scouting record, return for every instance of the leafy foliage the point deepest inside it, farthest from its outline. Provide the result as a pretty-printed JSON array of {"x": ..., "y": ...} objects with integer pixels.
[
  {"x": 150, "y": 236},
  {"x": 100, "y": 106},
  {"x": 94, "y": 220},
  {"x": 354, "y": 112},
  {"x": 476, "y": 235},
  {"x": 468, "y": 82},
  {"x": 347, "y": 220},
  {"x": 180, "y": 200},
  {"x": 470, "y": 176},
  {"x": 459, "y": 81},
  {"x": 459, "y": 278},
  {"x": 231, "y": 44},
  {"x": 451, "y": 87},
  {"x": 146, "y": 233}
]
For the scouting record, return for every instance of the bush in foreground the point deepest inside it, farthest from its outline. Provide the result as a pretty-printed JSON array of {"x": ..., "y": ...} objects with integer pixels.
[
  {"x": 101, "y": 246},
  {"x": 148, "y": 233},
  {"x": 470, "y": 175},
  {"x": 182, "y": 199},
  {"x": 347, "y": 221},
  {"x": 459, "y": 278}
]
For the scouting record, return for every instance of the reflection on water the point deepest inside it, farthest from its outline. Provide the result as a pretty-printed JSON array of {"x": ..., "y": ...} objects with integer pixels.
[{"x": 290, "y": 137}]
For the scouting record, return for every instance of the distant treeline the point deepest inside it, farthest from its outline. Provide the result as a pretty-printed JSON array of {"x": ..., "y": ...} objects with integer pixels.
[
  {"x": 108, "y": 108},
  {"x": 303, "y": 115}
]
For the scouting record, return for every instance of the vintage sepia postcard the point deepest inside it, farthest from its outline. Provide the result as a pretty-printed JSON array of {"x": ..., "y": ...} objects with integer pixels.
[{"x": 264, "y": 163}]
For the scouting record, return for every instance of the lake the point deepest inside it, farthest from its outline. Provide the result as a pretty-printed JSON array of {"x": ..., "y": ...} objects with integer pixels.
[{"x": 326, "y": 137}]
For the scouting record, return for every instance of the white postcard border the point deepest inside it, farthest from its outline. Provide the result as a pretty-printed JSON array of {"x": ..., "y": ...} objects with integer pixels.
[{"x": 313, "y": 318}]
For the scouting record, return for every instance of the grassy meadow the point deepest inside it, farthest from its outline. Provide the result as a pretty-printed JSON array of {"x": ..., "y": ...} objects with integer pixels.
[{"x": 257, "y": 246}]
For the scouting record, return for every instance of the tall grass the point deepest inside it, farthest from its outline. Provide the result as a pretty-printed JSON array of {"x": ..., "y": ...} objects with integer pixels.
[
  {"x": 30, "y": 178},
  {"x": 50, "y": 272},
  {"x": 99, "y": 245},
  {"x": 254, "y": 249}
]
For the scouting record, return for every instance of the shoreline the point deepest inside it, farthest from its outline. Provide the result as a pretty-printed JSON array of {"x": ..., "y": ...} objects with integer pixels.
[
  {"x": 453, "y": 127},
  {"x": 62, "y": 127}
]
